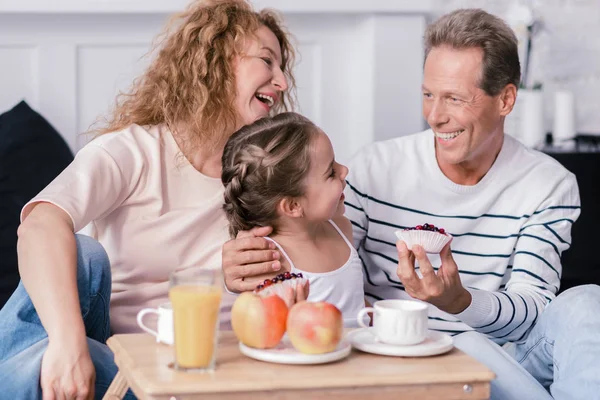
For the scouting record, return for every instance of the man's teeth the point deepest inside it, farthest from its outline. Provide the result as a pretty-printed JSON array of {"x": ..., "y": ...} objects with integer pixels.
[
  {"x": 268, "y": 98},
  {"x": 448, "y": 136}
]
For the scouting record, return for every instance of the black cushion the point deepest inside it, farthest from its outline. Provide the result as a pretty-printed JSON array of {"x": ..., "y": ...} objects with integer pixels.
[{"x": 32, "y": 154}]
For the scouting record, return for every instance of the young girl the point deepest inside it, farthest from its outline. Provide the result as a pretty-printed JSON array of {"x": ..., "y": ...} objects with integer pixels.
[{"x": 281, "y": 172}]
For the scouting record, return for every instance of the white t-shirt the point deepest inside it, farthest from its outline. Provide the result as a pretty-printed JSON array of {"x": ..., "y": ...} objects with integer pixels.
[{"x": 149, "y": 207}]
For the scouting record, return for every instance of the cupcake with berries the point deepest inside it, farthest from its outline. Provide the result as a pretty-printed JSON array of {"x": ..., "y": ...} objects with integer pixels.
[
  {"x": 428, "y": 236},
  {"x": 278, "y": 284}
]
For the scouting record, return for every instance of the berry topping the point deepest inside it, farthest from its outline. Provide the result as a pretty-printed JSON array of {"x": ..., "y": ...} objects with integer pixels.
[
  {"x": 427, "y": 227},
  {"x": 277, "y": 279}
]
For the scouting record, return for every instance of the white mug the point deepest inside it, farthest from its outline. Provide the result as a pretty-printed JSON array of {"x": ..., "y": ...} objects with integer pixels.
[
  {"x": 164, "y": 332},
  {"x": 397, "y": 322}
]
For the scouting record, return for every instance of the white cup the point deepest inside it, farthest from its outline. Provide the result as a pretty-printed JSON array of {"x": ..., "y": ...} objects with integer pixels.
[
  {"x": 164, "y": 332},
  {"x": 397, "y": 322}
]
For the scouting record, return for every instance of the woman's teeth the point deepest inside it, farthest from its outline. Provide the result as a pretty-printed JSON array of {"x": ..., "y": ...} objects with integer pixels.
[
  {"x": 267, "y": 99},
  {"x": 448, "y": 136}
]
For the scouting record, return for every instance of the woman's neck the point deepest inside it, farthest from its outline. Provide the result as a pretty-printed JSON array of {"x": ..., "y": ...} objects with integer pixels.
[
  {"x": 206, "y": 163},
  {"x": 204, "y": 157}
]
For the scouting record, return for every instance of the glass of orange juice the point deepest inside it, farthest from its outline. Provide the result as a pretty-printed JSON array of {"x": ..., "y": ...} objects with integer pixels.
[{"x": 195, "y": 296}]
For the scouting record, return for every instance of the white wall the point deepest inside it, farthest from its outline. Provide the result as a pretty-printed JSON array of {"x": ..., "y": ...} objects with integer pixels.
[{"x": 358, "y": 77}]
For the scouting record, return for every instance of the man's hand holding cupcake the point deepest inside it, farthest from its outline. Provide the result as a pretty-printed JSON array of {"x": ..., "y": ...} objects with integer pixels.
[{"x": 442, "y": 289}]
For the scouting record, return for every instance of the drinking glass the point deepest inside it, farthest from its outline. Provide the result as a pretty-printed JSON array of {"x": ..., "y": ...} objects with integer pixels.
[{"x": 195, "y": 296}]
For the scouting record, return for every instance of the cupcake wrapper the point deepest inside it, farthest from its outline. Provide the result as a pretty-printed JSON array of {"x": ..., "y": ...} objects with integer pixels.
[
  {"x": 432, "y": 242},
  {"x": 279, "y": 288}
]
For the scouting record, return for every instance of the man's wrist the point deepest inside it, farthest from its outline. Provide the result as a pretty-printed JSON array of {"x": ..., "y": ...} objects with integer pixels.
[{"x": 460, "y": 304}]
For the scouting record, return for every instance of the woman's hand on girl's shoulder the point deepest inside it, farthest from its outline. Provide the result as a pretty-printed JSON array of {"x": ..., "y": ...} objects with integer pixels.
[{"x": 247, "y": 258}]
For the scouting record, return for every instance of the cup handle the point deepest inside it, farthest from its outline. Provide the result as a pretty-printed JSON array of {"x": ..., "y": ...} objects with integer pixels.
[
  {"x": 361, "y": 315},
  {"x": 140, "y": 317}
]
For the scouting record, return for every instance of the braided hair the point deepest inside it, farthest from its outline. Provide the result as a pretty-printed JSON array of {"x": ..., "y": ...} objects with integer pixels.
[{"x": 263, "y": 163}]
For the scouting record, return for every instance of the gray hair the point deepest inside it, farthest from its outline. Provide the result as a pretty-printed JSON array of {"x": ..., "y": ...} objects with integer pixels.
[{"x": 475, "y": 28}]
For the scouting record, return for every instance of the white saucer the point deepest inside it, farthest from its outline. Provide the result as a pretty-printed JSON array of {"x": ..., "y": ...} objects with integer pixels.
[
  {"x": 436, "y": 343},
  {"x": 285, "y": 353}
]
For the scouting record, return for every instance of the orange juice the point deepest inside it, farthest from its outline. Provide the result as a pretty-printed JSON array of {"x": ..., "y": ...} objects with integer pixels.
[{"x": 195, "y": 319}]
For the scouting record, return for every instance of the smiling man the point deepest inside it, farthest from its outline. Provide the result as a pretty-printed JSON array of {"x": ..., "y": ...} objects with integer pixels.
[{"x": 510, "y": 211}]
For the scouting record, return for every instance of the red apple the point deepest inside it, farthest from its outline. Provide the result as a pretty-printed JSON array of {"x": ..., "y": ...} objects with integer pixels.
[
  {"x": 258, "y": 321},
  {"x": 315, "y": 327}
]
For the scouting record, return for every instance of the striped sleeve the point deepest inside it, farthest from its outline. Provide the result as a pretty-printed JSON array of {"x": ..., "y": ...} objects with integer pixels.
[{"x": 535, "y": 278}]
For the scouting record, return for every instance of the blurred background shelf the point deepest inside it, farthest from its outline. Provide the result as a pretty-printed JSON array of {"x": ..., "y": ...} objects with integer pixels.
[{"x": 581, "y": 263}]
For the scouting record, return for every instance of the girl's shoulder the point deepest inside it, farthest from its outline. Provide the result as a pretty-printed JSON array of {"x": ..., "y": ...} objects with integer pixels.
[{"x": 345, "y": 226}]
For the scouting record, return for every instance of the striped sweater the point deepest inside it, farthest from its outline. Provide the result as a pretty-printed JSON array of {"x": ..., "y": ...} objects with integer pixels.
[{"x": 509, "y": 229}]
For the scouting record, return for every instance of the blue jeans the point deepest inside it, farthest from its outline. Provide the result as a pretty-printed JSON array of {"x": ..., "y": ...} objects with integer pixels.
[
  {"x": 23, "y": 339},
  {"x": 559, "y": 359}
]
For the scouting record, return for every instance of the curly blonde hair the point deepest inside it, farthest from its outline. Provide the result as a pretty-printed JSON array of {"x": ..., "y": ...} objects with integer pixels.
[
  {"x": 263, "y": 163},
  {"x": 190, "y": 85}
]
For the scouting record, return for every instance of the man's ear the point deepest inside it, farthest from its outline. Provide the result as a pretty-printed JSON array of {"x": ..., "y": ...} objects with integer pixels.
[
  {"x": 507, "y": 99},
  {"x": 290, "y": 207}
]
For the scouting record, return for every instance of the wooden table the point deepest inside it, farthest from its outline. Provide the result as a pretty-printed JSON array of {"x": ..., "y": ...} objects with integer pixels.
[{"x": 146, "y": 367}]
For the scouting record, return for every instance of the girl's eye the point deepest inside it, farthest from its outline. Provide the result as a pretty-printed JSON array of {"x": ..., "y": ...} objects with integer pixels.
[
  {"x": 332, "y": 174},
  {"x": 267, "y": 61}
]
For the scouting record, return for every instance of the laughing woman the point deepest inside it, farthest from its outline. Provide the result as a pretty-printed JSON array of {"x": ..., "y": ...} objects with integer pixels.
[{"x": 148, "y": 189}]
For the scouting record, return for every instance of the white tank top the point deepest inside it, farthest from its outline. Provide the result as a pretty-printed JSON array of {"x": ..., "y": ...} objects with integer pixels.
[{"x": 342, "y": 287}]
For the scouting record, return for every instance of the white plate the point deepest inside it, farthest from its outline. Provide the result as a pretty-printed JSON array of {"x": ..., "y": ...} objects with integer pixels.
[
  {"x": 436, "y": 343},
  {"x": 285, "y": 353}
]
